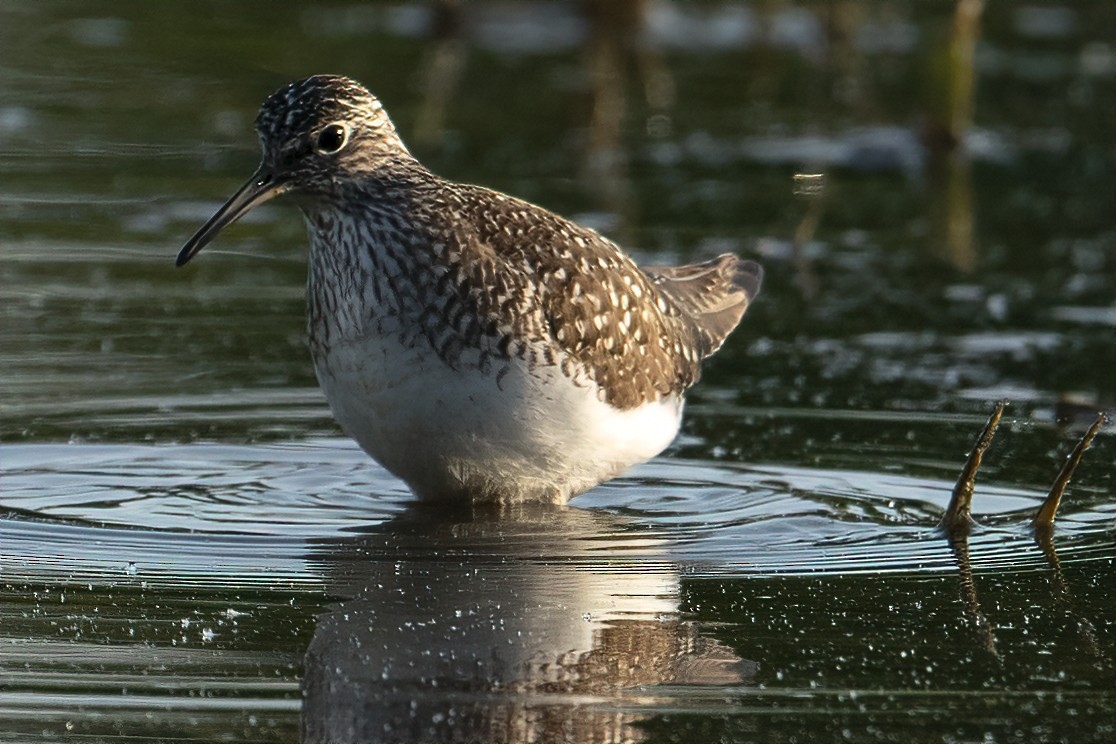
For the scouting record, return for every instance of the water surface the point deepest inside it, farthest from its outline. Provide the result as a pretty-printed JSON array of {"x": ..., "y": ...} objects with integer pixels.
[{"x": 190, "y": 549}]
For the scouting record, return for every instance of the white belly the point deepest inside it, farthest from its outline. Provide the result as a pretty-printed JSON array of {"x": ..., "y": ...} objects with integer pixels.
[{"x": 523, "y": 435}]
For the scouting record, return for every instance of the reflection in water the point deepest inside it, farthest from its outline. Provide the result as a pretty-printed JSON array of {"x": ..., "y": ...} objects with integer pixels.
[
  {"x": 1063, "y": 597},
  {"x": 950, "y": 174},
  {"x": 498, "y": 630},
  {"x": 959, "y": 543},
  {"x": 1060, "y": 592},
  {"x": 962, "y": 57},
  {"x": 810, "y": 187},
  {"x": 445, "y": 60},
  {"x": 950, "y": 169},
  {"x": 556, "y": 625},
  {"x": 618, "y": 41}
]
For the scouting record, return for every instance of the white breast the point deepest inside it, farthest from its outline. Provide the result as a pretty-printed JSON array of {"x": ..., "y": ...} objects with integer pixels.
[
  {"x": 519, "y": 434},
  {"x": 492, "y": 430}
]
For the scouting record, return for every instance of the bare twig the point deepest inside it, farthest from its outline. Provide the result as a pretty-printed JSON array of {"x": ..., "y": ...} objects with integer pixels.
[
  {"x": 1044, "y": 518},
  {"x": 958, "y": 515}
]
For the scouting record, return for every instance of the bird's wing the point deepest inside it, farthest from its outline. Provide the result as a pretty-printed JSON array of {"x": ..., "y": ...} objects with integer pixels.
[
  {"x": 634, "y": 334},
  {"x": 712, "y": 295}
]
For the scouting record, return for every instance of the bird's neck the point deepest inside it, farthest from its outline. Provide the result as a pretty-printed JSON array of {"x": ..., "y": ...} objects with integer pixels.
[{"x": 370, "y": 253}]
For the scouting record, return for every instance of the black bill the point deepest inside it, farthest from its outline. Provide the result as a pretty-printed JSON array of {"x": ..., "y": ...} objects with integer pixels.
[{"x": 261, "y": 187}]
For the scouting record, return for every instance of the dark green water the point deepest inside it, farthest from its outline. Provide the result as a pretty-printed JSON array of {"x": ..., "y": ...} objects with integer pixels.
[{"x": 190, "y": 549}]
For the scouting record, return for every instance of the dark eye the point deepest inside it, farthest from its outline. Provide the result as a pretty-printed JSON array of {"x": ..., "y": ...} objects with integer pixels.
[{"x": 332, "y": 138}]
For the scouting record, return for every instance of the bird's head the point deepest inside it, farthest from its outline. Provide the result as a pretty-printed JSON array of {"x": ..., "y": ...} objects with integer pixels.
[{"x": 314, "y": 133}]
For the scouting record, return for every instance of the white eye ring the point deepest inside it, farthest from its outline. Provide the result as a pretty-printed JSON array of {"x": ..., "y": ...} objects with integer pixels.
[{"x": 332, "y": 138}]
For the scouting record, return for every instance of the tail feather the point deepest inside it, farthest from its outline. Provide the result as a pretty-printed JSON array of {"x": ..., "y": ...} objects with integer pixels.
[{"x": 712, "y": 295}]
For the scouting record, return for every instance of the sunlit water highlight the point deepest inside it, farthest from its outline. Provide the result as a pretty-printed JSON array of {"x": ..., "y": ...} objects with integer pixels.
[{"x": 150, "y": 511}]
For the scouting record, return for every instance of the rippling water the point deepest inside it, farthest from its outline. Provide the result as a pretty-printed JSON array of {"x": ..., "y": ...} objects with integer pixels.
[
  {"x": 220, "y": 585},
  {"x": 190, "y": 550},
  {"x": 714, "y": 516}
]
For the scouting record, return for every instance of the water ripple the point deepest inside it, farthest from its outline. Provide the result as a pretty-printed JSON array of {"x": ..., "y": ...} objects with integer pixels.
[{"x": 163, "y": 513}]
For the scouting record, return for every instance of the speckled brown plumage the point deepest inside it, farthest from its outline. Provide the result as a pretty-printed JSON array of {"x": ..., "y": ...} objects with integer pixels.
[
  {"x": 466, "y": 268},
  {"x": 550, "y": 360},
  {"x": 608, "y": 321}
]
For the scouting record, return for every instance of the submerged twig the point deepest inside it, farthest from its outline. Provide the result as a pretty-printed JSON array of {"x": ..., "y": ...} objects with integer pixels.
[
  {"x": 1044, "y": 518},
  {"x": 958, "y": 515}
]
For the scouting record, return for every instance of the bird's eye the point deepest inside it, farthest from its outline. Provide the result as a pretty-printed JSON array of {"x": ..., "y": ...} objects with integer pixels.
[{"x": 332, "y": 138}]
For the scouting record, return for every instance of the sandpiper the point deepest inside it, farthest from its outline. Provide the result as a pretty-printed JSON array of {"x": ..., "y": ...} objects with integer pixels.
[{"x": 474, "y": 344}]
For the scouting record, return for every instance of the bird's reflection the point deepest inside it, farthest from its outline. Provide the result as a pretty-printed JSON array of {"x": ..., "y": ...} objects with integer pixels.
[{"x": 498, "y": 629}]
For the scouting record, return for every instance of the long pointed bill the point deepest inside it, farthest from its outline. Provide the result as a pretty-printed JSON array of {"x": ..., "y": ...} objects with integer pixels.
[{"x": 261, "y": 187}]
